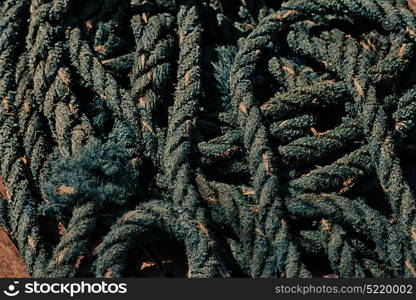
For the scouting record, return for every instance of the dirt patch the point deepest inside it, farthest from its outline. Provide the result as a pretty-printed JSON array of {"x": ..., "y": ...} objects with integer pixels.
[{"x": 11, "y": 264}]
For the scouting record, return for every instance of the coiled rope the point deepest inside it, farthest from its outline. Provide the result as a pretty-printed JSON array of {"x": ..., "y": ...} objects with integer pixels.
[{"x": 258, "y": 137}]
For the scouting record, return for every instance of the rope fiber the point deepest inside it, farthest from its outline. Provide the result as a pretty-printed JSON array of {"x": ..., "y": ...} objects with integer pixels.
[{"x": 257, "y": 138}]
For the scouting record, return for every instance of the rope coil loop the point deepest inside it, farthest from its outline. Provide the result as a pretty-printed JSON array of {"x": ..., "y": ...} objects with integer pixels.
[{"x": 260, "y": 136}]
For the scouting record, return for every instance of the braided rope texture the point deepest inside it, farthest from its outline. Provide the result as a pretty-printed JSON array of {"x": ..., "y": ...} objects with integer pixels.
[{"x": 254, "y": 138}]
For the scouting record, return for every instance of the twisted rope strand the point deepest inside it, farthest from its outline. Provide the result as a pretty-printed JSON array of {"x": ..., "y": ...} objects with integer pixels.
[{"x": 273, "y": 134}]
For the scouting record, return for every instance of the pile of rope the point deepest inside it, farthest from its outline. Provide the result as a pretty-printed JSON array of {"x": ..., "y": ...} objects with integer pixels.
[{"x": 264, "y": 138}]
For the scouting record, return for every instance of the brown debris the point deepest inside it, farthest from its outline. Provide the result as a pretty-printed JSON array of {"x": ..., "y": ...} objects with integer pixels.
[
  {"x": 31, "y": 242},
  {"x": 188, "y": 125},
  {"x": 368, "y": 45},
  {"x": 97, "y": 248},
  {"x": 248, "y": 192},
  {"x": 346, "y": 184},
  {"x": 266, "y": 162},
  {"x": 326, "y": 63},
  {"x": 365, "y": 46},
  {"x": 282, "y": 124},
  {"x": 402, "y": 51},
  {"x": 108, "y": 274},
  {"x": 413, "y": 230},
  {"x": 187, "y": 77},
  {"x": 107, "y": 61},
  {"x": 79, "y": 260},
  {"x": 308, "y": 69},
  {"x": 61, "y": 229},
  {"x": 410, "y": 267},
  {"x": 3, "y": 191},
  {"x": 65, "y": 190},
  {"x": 325, "y": 225},
  {"x": 26, "y": 107},
  {"x": 102, "y": 96},
  {"x": 61, "y": 256},
  {"x": 128, "y": 215},
  {"x": 289, "y": 70},
  {"x": 312, "y": 23},
  {"x": 142, "y": 61},
  {"x": 149, "y": 75},
  {"x": 147, "y": 264},
  {"x": 255, "y": 210},
  {"x": 147, "y": 126},
  {"x": 259, "y": 232},
  {"x": 203, "y": 228},
  {"x": 100, "y": 49},
  {"x": 412, "y": 5},
  {"x": 227, "y": 152},
  {"x": 316, "y": 132},
  {"x": 399, "y": 125},
  {"x": 145, "y": 17},
  {"x": 5, "y": 104},
  {"x": 243, "y": 109},
  {"x": 181, "y": 36},
  {"x": 392, "y": 220},
  {"x": 287, "y": 14},
  {"x": 72, "y": 108},
  {"x": 24, "y": 159},
  {"x": 358, "y": 88},
  {"x": 64, "y": 77},
  {"x": 142, "y": 102},
  {"x": 89, "y": 25},
  {"x": 410, "y": 31},
  {"x": 135, "y": 161}
]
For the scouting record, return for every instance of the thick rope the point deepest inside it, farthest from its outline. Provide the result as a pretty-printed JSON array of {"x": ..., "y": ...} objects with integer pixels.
[{"x": 260, "y": 137}]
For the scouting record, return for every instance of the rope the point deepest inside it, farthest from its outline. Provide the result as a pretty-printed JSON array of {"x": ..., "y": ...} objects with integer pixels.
[{"x": 258, "y": 137}]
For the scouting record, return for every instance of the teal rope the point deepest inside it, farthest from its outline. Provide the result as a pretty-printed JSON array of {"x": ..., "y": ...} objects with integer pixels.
[{"x": 260, "y": 137}]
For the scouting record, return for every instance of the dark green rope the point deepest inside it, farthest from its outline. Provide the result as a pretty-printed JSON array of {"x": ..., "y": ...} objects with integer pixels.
[{"x": 258, "y": 137}]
